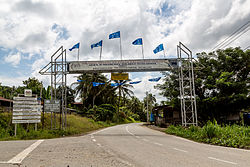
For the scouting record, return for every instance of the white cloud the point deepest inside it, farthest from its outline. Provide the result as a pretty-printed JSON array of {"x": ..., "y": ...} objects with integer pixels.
[
  {"x": 26, "y": 26},
  {"x": 13, "y": 59}
]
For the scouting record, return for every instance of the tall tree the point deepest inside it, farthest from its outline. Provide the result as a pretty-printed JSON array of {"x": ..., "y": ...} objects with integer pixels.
[
  {"x": 90, "y": 94},
  {"x": 222, "y": 86},
  {"x": 34, "y": 84}
]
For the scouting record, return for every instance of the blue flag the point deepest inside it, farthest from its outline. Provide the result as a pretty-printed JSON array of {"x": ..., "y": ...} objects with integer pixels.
[
  {"x": 114, "y": 35},
  {"x": 114, "y": 84},
  {"x": 154, "y": 79},
  {"x": 75, "y": 46},
  {"x": 136, "y": 82},
  {"x": 97, "y": 84},
  {"x": 96, "y": 44},
  {"x": 158, "y": 49},
  {"x": 137, "y": 41}
]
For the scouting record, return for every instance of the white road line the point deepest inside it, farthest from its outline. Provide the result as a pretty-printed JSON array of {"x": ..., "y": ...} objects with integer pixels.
[
  {"x": 92, "y": 137},
  {"x": 138, "y": 137},
  {"x": 180, "y": 150},
  {"x": 129, "y": 131},
  {"x": 20, "y": 157},
  {"x": 222, "y": 160},
  {"x": 2, "y": 162},
  {"x": 99, "y": 144},
  {"x": 101, "y": 130},
  {"x": 94, "y": 140},
  {"x": 159, "y": 144},
  {"x": 145, "y": 139}
]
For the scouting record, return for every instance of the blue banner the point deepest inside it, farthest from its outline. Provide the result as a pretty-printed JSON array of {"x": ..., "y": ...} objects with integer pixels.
[
  {"x": 114, "y": 84},
  {"x": 96, "y": 44},
  {"x": 158, "y": 49},
  {"x": 136, "y": 82},
  {"x": 97, "y": 84},
  {"x": 75, "y": 46},
  {"x": 114, "y": 35},
  {"x": 137, "y": 41},
  {"x": 154, "y": 79}
]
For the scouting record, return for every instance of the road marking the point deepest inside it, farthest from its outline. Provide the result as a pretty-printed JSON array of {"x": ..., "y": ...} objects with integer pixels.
[
  {"x": 138, "y": 137},
  {"x": 20, "y": 157},
  {"x": 221, "y": 160},
  {"x": 145, "y": 139},
  {"x": 180, "y": 150},
  {"x": 101, "y": 130},
  {"x": 92, "y": 137},
  {"x": 94, "y": 140},
  {"x": 99, "y": 144},
  {"x": 159, "y": 144},
  {"x": 129, "y": 131},
  {"x": 2, "y": 162}
]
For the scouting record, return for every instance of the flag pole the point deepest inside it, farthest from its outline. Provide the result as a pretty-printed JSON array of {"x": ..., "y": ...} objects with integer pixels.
[
  {"x": 78, "y": 51},
  {"x": 142, "y": 51},
  {"x": 101, "y": 53},
  {"x": 164, "y": 53},
  {"x": 121, "y": 46}
]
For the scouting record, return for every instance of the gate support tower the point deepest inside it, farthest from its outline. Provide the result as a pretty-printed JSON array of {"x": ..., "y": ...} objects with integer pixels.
[
  {"x": 58, "y": 73},
  {"x": 186, "y": 86}
]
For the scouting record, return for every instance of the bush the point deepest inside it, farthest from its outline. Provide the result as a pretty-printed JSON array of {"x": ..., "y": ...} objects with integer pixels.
[
  {"x": 229, "y": 135},
  {"x": 210, "y": 130}
]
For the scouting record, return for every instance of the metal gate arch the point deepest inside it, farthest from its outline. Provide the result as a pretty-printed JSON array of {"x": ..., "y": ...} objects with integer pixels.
[{"x": 58, "y": 69}]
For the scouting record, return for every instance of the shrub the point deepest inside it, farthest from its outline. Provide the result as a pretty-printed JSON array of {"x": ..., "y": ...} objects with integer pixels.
[{"x": 210, "y": 130}]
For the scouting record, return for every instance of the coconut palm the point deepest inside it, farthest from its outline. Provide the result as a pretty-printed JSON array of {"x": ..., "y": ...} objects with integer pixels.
[
  {"x": 87, "y": 91},
  {"x": 123, "y": 90}
]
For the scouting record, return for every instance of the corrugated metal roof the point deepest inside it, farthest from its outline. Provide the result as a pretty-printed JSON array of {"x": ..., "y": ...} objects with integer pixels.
[{"x": 3, "y": 99}]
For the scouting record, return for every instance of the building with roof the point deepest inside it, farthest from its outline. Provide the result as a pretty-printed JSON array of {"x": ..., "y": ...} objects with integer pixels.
[{"x": 6, "y": 105}]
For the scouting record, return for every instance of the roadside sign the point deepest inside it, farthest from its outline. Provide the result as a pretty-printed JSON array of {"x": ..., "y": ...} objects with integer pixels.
[
  {"x": 119, "y": 76},
  {"x": 26, "y": 109},
  {"x": 27, "y": 92},
  {"x": 52, "y": 105}
]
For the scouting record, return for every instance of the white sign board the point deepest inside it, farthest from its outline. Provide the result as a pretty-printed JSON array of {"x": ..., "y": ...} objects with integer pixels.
[
  {"x": 27, "y": 92},
  {"x": 122, "y": 65},
  {"x": 26, "y": 110},
  {"x": 52, "y": 105}
]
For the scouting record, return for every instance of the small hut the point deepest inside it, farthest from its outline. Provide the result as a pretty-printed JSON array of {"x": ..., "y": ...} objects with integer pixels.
[{"x": 166, "y": 115}]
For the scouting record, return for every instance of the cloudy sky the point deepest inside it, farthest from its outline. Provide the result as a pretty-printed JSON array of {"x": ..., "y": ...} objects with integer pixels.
[{"x": 31, "y": 30}]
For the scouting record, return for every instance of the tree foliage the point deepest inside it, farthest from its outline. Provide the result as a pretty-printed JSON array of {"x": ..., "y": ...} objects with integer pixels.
[{"x": 222, "y": 86}]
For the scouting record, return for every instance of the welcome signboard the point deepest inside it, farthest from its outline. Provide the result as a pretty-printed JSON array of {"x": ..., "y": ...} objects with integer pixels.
[{"x": 106, "y": 66}]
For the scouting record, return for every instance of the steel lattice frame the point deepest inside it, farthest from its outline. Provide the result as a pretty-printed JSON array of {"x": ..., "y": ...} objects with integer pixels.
[
  {"x": 186, "y": 86},
  {"x": 58, "y": 73}
]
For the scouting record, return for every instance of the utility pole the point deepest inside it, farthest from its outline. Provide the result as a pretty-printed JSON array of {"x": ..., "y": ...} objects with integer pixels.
[{"x": 147, "y": 106}]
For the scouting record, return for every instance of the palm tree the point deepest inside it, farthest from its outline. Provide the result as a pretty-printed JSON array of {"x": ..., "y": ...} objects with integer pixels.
[
  {"x": 85, "y": 87},
  {"x": 124, "y": 90}
]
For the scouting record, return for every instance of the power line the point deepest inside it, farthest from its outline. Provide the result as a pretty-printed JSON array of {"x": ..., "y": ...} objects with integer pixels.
[
  {"x": 239, "y": 35},
  {"x": 235, "y": 33},
  {"x": 247, "y": 48}
]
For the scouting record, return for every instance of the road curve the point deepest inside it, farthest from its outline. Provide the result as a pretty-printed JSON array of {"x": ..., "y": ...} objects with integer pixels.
[{"x": 122, "y": 145}]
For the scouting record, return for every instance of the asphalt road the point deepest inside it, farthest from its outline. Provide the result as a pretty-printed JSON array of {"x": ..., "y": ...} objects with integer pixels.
[{"x": 120, "y": 146}]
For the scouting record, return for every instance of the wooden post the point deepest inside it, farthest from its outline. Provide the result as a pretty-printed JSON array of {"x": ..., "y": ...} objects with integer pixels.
[{"x": 15, "y": 129}]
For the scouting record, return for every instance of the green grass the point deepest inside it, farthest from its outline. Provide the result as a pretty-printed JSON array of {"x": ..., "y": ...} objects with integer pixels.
[
  {"x": 76, "y": 125},
  {"x": 212, "y": 133}
]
